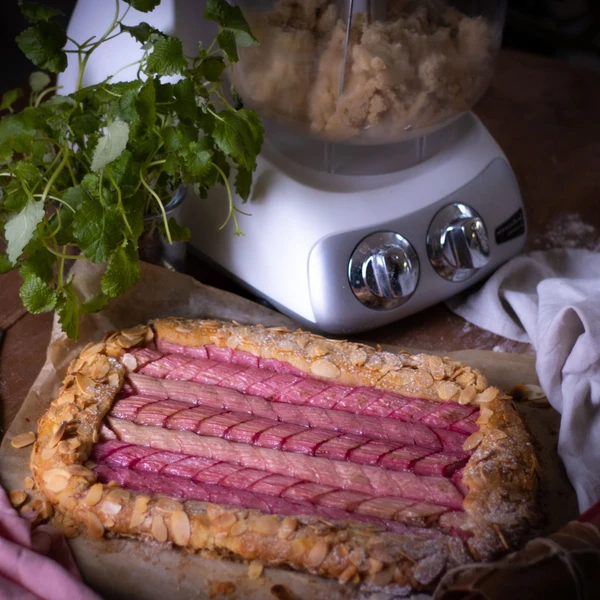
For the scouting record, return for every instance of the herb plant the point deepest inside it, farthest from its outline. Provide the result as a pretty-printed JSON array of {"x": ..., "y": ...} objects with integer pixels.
[{"x": 79, "y": 173}]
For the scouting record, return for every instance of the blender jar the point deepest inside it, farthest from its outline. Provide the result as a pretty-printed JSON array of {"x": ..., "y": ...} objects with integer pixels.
[{"x": 368, "y": 71}]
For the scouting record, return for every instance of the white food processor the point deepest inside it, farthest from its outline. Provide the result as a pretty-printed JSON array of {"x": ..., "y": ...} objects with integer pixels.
[{"x": 378, "y": 192}]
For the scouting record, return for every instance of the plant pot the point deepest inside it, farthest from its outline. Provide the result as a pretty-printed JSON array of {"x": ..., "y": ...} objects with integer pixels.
[{"x": 154, "y": 248}]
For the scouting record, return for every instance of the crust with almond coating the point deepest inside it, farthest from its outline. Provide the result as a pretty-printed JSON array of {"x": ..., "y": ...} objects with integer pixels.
[{"x": 500, "y": 507}]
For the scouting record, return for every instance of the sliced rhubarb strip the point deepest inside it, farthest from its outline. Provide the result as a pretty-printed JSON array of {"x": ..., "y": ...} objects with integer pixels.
[
  {"x": 192, "y": 351},
  {"x": 273, "y": 386},
  {"x": 164, "y": 365},
  {"x": 387, "y": 429},
  {"x": 191, "y": 490},
  {"x": 448, "y": 413},
  {"x": 440, "y": 464},
  {"x": 328, "y": 397},
  {"x": 339, "y": 448},
  {"x": 468, "y": 425},
  {"x": 243, "y": 428},
  {"x": 207, "y": 471},
  {"x": 360, "y": 478},
  {"x": 129, "y": 407}
]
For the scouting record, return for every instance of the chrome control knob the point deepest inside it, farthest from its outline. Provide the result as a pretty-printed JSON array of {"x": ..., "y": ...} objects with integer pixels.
[
  {"x": 457, "y": 242},
  {"x": 383, "y": 270}
]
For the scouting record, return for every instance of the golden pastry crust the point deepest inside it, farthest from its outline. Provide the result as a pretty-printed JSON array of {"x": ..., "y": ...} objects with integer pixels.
[{"x": 500, "y": 507}]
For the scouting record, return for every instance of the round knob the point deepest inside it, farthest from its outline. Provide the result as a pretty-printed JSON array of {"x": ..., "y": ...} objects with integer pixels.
[
  {"x": 383, "y": 270},
  {"x": 457, "y": 242}
]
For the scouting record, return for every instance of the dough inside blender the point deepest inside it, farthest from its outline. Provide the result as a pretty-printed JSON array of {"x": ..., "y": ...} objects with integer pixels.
[{"x": 419, "y": 68}]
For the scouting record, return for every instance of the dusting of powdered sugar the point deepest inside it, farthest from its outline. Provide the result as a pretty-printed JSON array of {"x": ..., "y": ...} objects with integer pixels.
[{"x": 569, "y": 230}]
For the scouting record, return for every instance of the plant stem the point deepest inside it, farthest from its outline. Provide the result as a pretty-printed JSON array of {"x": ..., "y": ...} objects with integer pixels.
[
  {"x": 46, "y": 92},
  {"x": 230, "y": 197},
  {"x": 160, "y": 204},
  {"x": 59, "y": 200},
  {"x": 60, "y": 254},
  {"x": 120, "y": 201},
  {"x": 54, "y": 176}
]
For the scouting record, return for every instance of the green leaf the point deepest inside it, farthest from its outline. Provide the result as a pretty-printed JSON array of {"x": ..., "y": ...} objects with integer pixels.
[
  {"x": 17, "y": 132},
  {"x": 122, "y": 272},
  {"x": 73, "y": 197},
  {"x": 141, "y": 32},
  {"x": 37, "y": 295},
  {"x": 212, "y": 68},
  {"x": 226, "y": 41},
  {"x": 9, "y": 98},
  {"x": 243, "y": 183},
  {"x": 43, "y": 45},
  {"x": 85, "y": 124},
  {"x": 185, "y": 100},
  {"x": 126, "y": 108},
  {"x": 146, "y": 103},
  {"x": 34, "y": 12},
  {"x": 40, "y": 262},
  {"x": 5, "y": 264},
  {"x": 144, "y": 6},
  {"x": 124, "y": 170},
  {"x": 198, "y": 162},
  {"x": 111, "y": 144},
  {"x": 230, "y": 18},
  {"x": 94, "y": 304},
  {"x": 167, "y": 57},
  {"x": 38, "y": 81},
  {"x": 97, "y": 229},
  {"x": 239, "y": 134},
  {"x": 20, "y": 228},
  {"x": 67, "y": 308},
  {"x": 178, "y": 233},
  {"x": 27, "y": 173}
]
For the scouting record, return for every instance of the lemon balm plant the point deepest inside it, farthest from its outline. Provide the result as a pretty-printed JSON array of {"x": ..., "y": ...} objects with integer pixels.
[{"x": 80, "y": 173}]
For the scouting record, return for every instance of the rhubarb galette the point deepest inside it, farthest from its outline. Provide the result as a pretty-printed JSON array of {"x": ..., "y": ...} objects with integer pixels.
[{"x": 285, "y": 448}]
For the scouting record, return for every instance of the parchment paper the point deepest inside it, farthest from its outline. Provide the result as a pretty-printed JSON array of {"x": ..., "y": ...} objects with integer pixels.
[{"x": 119, "y": 568}]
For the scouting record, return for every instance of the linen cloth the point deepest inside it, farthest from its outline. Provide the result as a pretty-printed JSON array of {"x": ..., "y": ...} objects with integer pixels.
[{"x": 552, "y": 300}]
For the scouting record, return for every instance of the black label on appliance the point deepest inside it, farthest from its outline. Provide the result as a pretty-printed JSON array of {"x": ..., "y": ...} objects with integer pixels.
[{"x": 512, "y": 228}]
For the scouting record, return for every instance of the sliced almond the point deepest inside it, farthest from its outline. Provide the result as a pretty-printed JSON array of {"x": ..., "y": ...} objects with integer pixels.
[
  {"x": 287, "y": 527},
  {"x": 135, "y": 332},
  {"x": 488, "y": 395},
  {"x": 316, "y": 350},
  {"x": 85, "y": 384},
  {"x": 95, "y": 527},
  {"x": 180, "y": 528},
  {"x": 318, "y": 553},
  {"x": 382, "y": 578},
  {"x": 239, "y": 528},
  {"x": 141, "y": 505},
  {"x": 108, "y": 507},
  {"x": 129, "y": 362},
  {"x": 467, "y": 395},
  {"x": 484, "y": 416},
  {"x": 255, "y": 570},
  {"x": 65, "y": 398},
  {"x": 92, "y": 349},
  {"x": 100, "y": 368},
  {"x": 347, "y": 574},
  {"x": 28, "y": 483},
  {"x": 63, "y": 447},
  {"x": 57, "y": 435},
  {"x": 94, "y": 494},
  {"x": 70, "y": 503},
  {"x": 113, "y": 380},
  {"x": 266, "y": 525},
  {"x": 48, "y": 453},
  {"x": 183, "y": 329},
  {"x": 17, "y": 498},
  {"x": 324, "y": 368},
  {"x": 159, "y": 529},
  {"x": 447, "y": 390},
  {"x": 224, "y": 521},
  {"x": 358, "y": 357},
  {"x": 23, "y": 439},
  {"x": 128, "y": 342},
  {"x": 473, "y": 441},
  {"x": 74, "y": 443},
  {"x": 374, "y": 566},
  {"x": 57, "y": 483}
]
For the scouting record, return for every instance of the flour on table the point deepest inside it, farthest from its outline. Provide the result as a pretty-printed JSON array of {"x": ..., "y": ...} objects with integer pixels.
[{"x": 568, "y": 230}]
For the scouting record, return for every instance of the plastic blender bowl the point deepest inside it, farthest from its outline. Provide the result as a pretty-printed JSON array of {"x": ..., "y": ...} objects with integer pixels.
[{"x": 368, "y": 72}]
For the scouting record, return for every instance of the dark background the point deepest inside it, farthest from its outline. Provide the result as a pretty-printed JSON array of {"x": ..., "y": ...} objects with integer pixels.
[{"x": 564, "y": 29}]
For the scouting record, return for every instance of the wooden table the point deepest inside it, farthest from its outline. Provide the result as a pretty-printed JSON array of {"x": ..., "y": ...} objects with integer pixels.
[{"x": 543, "y": 113}]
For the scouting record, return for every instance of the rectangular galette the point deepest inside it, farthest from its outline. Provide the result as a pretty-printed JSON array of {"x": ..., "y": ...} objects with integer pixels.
[{"x": 286, "y": 448}]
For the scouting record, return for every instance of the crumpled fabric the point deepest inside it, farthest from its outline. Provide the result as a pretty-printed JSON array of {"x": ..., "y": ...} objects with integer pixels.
[
  {"x": 36, "y": 563},
  {"x": 552, "y": 300}
]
